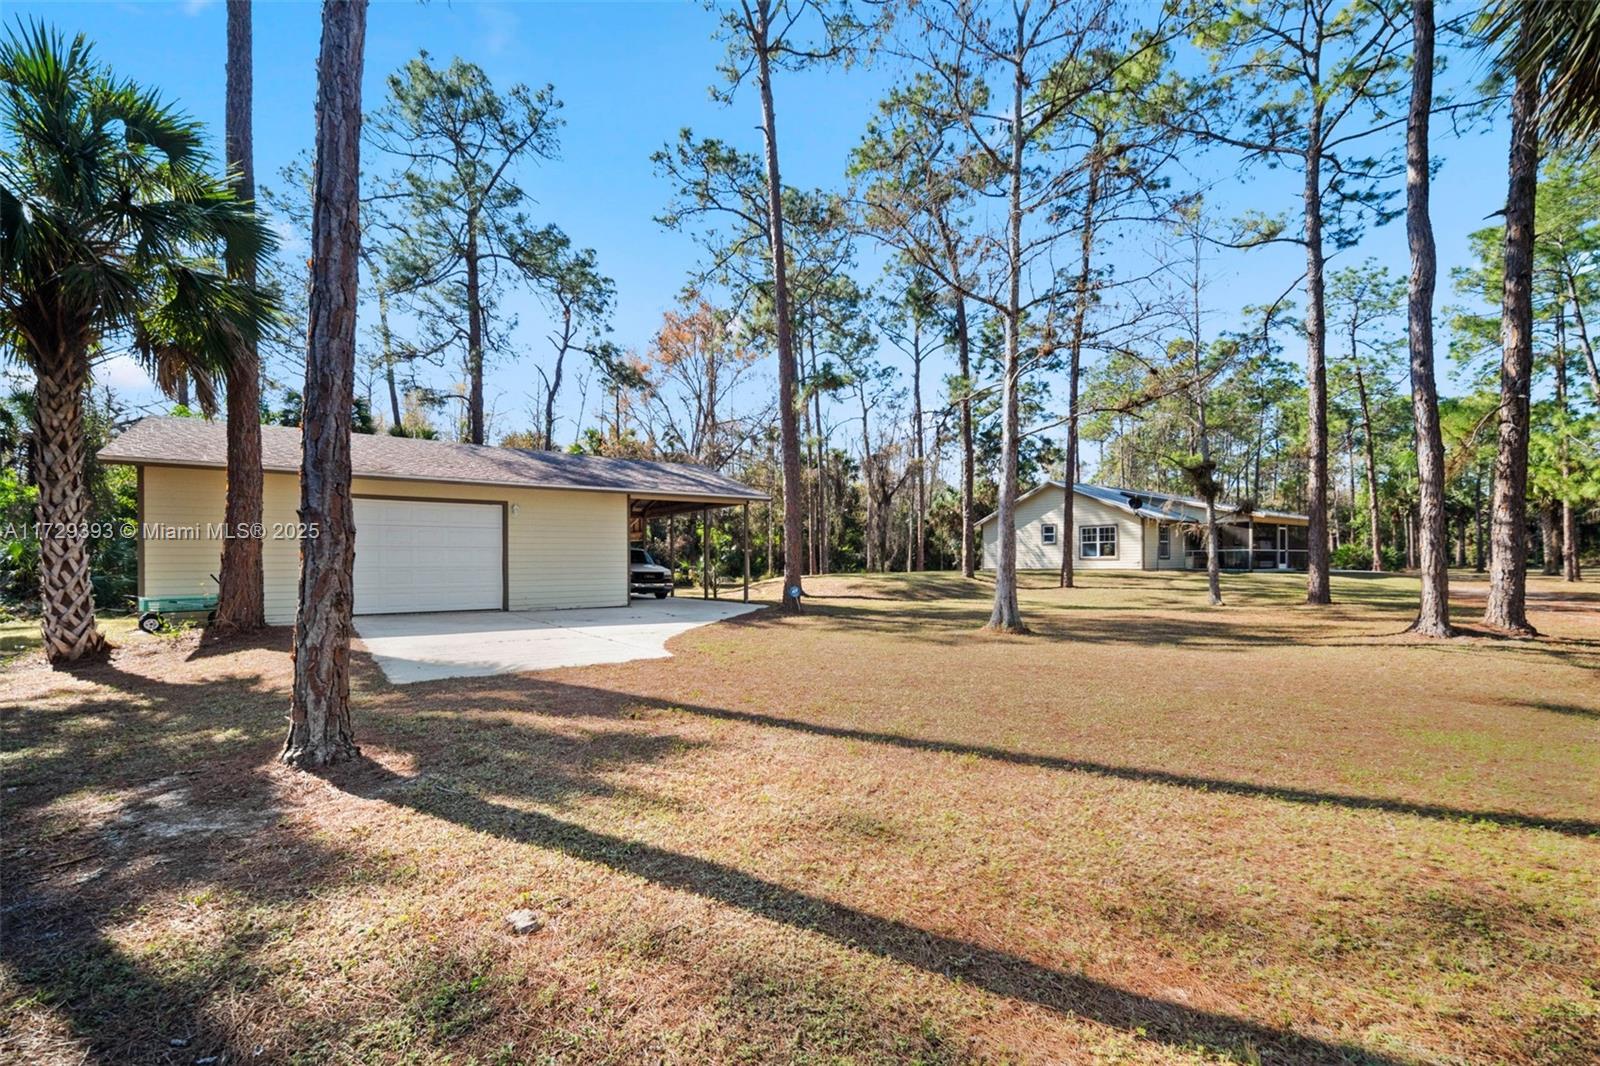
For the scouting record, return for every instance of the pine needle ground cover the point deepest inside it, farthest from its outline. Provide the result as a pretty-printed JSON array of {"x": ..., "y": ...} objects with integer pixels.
[{"x": 1146, "y": 832}]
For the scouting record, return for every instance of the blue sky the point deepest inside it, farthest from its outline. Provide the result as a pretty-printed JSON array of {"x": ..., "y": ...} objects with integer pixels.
[{"x": 630, "y": 75}]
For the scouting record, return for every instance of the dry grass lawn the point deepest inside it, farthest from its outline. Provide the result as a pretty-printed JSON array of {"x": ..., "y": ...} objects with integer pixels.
[{"x": 1148, "y": 832}]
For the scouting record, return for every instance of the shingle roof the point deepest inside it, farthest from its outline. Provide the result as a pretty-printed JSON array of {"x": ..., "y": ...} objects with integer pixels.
[
  {"x": 197, "y": 442},
  {"x": 1161, "y": 506}
]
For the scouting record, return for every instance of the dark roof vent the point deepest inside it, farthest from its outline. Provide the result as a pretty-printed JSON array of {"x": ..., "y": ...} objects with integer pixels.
[{"x": 1135, "y": 501}]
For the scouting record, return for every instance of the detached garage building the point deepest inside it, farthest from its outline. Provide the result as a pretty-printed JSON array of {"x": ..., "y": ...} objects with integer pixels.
[{"x": 439, "y": 526}]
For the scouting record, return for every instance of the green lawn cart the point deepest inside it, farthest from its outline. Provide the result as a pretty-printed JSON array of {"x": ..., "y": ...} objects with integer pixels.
[{"x": 155, "y": 610}]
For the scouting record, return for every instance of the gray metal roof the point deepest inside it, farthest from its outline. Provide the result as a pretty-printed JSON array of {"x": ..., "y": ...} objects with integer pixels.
[
  {"x": 1161, "y": 506},
  {"x": 202, "y": 443}
]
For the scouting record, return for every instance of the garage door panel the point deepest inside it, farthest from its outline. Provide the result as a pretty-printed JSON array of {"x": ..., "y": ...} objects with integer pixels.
[{"x": 416, "y": 555}]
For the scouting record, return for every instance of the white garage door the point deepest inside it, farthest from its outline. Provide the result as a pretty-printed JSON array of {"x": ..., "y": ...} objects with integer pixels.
[{"x": 415, "y": 555}]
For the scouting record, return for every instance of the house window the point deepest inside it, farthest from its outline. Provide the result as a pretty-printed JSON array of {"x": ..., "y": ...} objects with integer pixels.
[
  {"x": 1164, "y": 542},
  {"x": 1097, "y": 542},
  {"x": 1047, "y": 533}
]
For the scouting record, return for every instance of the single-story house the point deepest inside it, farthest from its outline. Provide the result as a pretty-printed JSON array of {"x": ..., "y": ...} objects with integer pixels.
[
  {"x": 440, "y": 526},
  {"x": 1133, "y": 529}
]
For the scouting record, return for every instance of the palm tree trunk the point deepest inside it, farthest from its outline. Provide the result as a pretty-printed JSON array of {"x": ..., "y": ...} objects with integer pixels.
[
  {"x": 1433, "y": 611},
  {"x": 789, "y": 430},
  {"x": 65, "y": 592},
  {"x": 240, "y": 603},
  {"x": 1507, "y": 606},
  {"x": 320, "y": 730}
]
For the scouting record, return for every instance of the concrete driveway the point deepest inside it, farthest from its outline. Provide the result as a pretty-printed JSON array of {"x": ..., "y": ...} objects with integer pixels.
[{"x": 429, "y": 647}]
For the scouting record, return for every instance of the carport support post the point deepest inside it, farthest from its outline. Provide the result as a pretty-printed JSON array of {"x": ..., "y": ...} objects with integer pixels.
[
  {"x": 705, "y": 553},
  {"x": 747, "y": 551}
]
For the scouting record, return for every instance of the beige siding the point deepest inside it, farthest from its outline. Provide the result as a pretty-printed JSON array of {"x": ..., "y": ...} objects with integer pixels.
[
  {"x": 1044, "y": 508},
  {"x": 563, "y": 548},
  {"x": 1152, "y": 536}
]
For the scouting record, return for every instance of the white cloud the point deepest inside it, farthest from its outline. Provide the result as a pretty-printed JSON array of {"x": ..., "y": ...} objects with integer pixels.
[
  {"x": 124, "y": 375},
  {"x": 500, "y": 27}
]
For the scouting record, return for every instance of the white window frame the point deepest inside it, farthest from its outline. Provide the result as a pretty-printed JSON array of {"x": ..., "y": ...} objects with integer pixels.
[
  {"x": 1047, "y": 532},
  {"x": 1163, "y": 541},
  {"x": 1090, "y": 536}
]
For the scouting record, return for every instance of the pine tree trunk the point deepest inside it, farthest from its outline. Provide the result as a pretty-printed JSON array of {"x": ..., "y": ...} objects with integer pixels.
[
  {"x": 1550, "y": 538},
  {"x": 1318, "y": 590},
  {"x": 1583, "y": 334},
  {"x": 66, "y": 594},
  {"x": 1479, "y": 541},
  {"x": 240, "y": 595},
  {"x": 1006, "y": 616},
  {"x": 1571, "y": 568},
  {"x": 869, "y": 542},
  {"x": 388, "y": 358},
  {"x": 475, "y": 336},
  {"x": 1433, "y": 611},
  {"x": 789, "y": 432},
  {"x": 964, "y": 358},
  {"x": 1080, "y": 315},
  {"x": 916, "y": 558},
  {"x": 1213, "y": 560},
  {"x": 320, "y": 730},
  {"x": 825, "y": 537},
  {"x": 1507, "y": 606},
  {"x": 555, "y": 381},
  {"x": 1370, "y": 457}
]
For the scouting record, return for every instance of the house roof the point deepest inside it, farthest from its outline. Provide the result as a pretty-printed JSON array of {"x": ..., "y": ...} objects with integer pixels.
[
  {"x": 202, "y": 443},
  {"x": 1161, "y": 506}
]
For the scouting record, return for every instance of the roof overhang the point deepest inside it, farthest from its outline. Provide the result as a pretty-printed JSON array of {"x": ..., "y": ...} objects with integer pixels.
[
  {"x": 637, "y": 494},
  {"x": 1225, "y": 513}
]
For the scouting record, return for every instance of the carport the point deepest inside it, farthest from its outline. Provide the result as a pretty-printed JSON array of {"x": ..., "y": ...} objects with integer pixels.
[{"x": 643, "y": 510}]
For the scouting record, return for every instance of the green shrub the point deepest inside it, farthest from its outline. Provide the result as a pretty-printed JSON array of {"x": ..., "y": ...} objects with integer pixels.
[{"x": 1352, "y": 557}]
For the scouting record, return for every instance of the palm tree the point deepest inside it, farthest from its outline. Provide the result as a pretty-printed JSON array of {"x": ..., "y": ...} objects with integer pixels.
[
  {"x": 319, "y": 709},
  {"x": 109, "y": 216},
  {"x": 1552, "y": 51},
  {"x": 1563, "y": 41}
]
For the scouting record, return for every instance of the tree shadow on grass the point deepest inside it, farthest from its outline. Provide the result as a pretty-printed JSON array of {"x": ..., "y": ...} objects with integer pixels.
[
  {"x": 1570, "y": 709},
  {"x": 997, "y": 971},
  {"x": 535, "y": 691},
  {"x": 1374, "y": 622},
  {"x": 147, "y": 792},
  {"x": 173, "y": 791}
]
